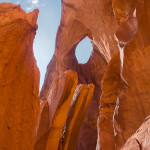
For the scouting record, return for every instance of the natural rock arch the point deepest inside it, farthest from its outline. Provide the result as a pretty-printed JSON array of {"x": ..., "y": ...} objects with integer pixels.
[{"x": 83, "y": 51}]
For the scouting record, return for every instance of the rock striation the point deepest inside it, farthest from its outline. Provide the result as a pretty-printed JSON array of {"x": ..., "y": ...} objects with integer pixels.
[
  {"x": 19, "y": 78},
  {"x": 81, "y": 100},
  {"x": 62, "y": 112},
  {"x": 54, "y": 111}
]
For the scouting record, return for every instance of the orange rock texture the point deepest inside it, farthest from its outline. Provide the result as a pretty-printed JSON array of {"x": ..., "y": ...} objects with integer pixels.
[
  {"x": 62, "y": 112},
  {"x": 111, "y": 26},
  {"x": 80, "y": 19},
  {"x": 56, "y": 105},
  {"x": 124, "y": 107},
  {"x": 141, "y": 139},
  {"x": 19, "y": 78},
  {"x": 96, "y": 105}
]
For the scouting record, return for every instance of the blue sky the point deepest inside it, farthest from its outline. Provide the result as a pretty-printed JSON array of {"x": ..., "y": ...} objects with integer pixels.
[{"x": 48, "y": 22}]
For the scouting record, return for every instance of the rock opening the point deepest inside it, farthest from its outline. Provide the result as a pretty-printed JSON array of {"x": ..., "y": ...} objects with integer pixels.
[{"x": 83, "y": 51}]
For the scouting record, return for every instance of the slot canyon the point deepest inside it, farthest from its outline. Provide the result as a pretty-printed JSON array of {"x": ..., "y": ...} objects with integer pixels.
[{"x": 102, "y": 104}]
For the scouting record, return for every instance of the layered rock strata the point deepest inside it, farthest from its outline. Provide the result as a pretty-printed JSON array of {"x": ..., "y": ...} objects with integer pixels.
[{"x": 19, "y": 78}]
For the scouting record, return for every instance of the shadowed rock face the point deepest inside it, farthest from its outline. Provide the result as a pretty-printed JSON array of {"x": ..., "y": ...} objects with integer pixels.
[
  {"x": 19, "y": 78},
  {"x": 123, "y": 109}
]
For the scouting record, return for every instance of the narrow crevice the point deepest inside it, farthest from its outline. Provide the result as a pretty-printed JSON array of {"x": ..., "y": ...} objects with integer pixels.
[
  {"x": 116, "y": 126},
  {"x": 64, "y": 128},
  {"x": 140, "y": 145},
  {"x": 124, "y": 34}
]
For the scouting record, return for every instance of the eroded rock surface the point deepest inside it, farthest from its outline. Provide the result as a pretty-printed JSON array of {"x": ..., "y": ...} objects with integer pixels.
[
  {"x": 118, "y": 68},
  {"x": 79, "y": 105},
  {"x": 19, "y": 78},
  {"x": 131, "y": 104},
  {"x": 62, "y": 112},
  {"x": 96, "y": 20},
  {"x": 141, "y": 139},
  {"x": 55, "y": 107}
]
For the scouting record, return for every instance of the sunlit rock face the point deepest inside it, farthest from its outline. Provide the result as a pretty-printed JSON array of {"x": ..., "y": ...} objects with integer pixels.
[
  {"x": 62, "y": 112},
  {"x": 55, "y": 105},
  {"x": 19, "y": 78}
]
